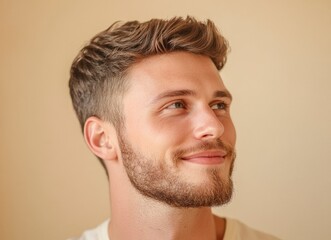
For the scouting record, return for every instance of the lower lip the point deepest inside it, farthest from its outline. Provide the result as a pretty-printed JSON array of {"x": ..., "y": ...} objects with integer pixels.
[{"x": 206, "y": 160}]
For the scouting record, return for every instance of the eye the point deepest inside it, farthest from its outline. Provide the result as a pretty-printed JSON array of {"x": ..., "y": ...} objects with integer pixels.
[
  {"x": 220, "y": 106},
  {"x": 176, "y": 105}
]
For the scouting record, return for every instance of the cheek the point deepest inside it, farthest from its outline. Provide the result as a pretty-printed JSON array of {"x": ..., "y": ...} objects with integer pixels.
[
  {"x": 156, "y": 136},
  {"x": 169, "y": 132}
]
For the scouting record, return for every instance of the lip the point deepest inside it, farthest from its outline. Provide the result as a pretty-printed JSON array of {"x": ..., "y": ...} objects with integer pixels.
[{"x": 206, "y": 157}]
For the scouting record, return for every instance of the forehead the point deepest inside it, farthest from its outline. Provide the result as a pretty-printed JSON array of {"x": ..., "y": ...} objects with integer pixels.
[{"x": 174, "y": 71}]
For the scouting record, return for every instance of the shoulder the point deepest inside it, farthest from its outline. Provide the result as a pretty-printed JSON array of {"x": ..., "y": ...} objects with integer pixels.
[
  {"x": 98, "y": 233},
  {"x": 236, "y": 230}
]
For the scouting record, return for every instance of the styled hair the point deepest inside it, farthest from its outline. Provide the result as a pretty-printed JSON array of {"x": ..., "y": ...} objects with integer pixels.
[{"x": 98, "y": 74}]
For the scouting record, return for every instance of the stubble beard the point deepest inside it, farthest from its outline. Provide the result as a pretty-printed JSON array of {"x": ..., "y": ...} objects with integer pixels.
[{"x": 164, "y": 184}]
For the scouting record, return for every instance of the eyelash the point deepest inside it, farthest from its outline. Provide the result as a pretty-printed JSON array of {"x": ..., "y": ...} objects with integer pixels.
[
  {"x": 225, "y": 106},
  {"x": 174, "y": 103}
]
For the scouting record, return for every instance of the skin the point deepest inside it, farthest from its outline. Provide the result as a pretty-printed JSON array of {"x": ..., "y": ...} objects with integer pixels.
[{"x": 157, "y": 125}]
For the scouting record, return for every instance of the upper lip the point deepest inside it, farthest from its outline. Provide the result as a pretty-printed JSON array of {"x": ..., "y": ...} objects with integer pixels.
[{"x": 206, "y": 154}]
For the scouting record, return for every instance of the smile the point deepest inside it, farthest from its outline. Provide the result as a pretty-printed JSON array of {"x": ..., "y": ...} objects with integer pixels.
[{"x": 207, "y": 157}]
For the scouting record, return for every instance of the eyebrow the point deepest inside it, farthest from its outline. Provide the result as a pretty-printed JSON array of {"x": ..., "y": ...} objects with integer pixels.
[
  {"x": 186, "y": 92},
  {"x": 224, "y": 93}
]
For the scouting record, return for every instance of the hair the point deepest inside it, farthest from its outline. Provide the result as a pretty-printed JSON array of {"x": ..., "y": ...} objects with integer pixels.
[{"x": 97, "y": 76}]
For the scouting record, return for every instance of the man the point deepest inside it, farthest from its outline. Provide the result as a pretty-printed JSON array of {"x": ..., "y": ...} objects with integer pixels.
[{"x": 154, "y": 110}]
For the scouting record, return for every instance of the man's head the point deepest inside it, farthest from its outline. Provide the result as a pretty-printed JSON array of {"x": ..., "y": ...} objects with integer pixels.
[
  {"x": 157, "y": 84},
  {"x": 98, "y": 74}
]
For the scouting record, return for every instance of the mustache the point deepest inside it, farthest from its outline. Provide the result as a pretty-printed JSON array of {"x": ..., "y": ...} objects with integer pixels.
[{"x": 205, "y": 146}]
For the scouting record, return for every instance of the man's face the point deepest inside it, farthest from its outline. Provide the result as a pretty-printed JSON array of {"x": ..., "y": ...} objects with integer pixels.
[{"x": 178, "y": 139}]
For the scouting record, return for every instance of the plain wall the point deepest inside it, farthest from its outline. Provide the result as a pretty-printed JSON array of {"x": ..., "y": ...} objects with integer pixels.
[{"x": 52, "y": 187}]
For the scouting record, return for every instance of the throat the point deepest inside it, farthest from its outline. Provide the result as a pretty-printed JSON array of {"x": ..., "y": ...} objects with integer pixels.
[{"x": 192, "y": 223}]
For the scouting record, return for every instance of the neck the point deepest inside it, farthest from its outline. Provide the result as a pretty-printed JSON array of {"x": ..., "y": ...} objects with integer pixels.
[
  {"x": 153, "y": 220},
  {"x": 135, "y": 216}
]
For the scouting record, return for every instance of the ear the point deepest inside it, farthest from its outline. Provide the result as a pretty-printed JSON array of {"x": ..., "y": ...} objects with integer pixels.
[{"x": 98, "y": 136}]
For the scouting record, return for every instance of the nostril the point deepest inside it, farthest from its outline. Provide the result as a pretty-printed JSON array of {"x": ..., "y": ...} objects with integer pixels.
[
  {"x": 210, "y": 131},
  {"x": 207, "y": 124}
]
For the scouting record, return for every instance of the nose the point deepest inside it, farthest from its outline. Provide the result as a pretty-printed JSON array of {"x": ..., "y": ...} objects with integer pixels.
[{"x": 207, "y": 125}]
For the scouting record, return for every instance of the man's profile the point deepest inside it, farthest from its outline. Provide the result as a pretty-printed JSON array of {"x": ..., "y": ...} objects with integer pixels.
[{"x": 155, "y": 111}]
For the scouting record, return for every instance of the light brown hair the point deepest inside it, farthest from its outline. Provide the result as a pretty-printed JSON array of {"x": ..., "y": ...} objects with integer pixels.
[{"x": 97, "y": 76}]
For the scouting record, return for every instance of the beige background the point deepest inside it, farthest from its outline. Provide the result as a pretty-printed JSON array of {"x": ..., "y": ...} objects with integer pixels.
[{"x": 279, "y": 71}]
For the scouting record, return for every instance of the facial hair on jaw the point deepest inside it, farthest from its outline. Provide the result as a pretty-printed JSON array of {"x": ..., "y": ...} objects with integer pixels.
[{"x": 164, "y": 184}]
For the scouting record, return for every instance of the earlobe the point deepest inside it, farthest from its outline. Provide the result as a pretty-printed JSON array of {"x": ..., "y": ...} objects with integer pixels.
[{"x": 98, "y": 139}]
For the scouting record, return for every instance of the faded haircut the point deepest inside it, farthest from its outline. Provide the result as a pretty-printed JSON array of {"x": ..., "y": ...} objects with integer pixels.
[
  {"x": 98, "y": 73},
  {"x": 97, "y": 77}
]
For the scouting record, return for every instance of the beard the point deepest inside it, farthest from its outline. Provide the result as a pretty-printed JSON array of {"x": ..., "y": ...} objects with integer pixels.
[{"x": 164, "y": 183}]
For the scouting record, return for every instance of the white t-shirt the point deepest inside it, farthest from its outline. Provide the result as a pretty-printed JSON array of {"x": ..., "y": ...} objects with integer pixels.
[
  {"x": 98, "y": 233},
  {"x": 235, "y": 230}
]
